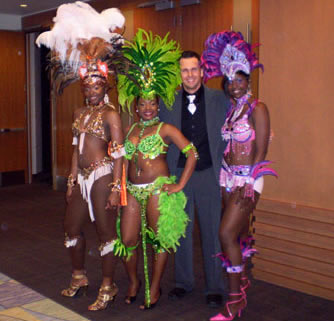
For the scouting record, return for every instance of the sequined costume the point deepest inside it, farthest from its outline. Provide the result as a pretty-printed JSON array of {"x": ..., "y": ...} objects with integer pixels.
[
  {"x": 90, "y": 125},
  {"x": 157, "y": 75},
  {"x": 234, "y": 176},
  {"x": 85, "y": 48},
  {"x": 86, "y": 124},
  {"x": 228, "y": 54},
  {"x": 172, "y": 220},
  {"x": 239, "y": 134},
  {"x": 172, "y": 206},
  {"x": 87, "y": 177},
  {"x": 150, "y": 147}
]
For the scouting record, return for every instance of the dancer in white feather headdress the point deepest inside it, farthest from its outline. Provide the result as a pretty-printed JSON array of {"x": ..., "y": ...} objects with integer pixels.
[{"x": 85, "y": 47}]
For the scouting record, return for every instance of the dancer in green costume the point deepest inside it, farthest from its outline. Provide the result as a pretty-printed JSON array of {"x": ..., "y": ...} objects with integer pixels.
[{"x": 156, "y": 202}]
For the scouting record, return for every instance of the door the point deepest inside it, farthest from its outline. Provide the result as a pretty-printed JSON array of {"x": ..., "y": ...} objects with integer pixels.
[{"x": 13, "y": 129}]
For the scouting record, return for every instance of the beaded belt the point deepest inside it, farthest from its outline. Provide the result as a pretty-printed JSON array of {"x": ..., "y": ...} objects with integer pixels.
[{"x": 85, "y": 172}]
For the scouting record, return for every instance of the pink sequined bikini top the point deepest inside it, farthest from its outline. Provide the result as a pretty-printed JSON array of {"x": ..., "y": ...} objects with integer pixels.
[{"x": 239, "y": 132}]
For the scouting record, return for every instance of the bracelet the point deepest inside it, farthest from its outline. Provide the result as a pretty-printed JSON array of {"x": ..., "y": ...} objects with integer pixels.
[
  {"x": 71, "y": 181},
  {"x": 115, "y": 186},
  {"x": 189, "y": 147},
  {"x": 115, "y": 150}
]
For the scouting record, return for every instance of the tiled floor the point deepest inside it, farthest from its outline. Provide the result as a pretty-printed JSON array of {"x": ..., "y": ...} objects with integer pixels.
[
  {"x": 18, "y": 302},
  {"x": 32, "y": 254}
]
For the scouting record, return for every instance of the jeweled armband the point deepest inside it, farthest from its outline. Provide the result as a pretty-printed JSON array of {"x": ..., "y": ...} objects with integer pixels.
[
  {"x": 115, "y": 186},
  {"x": 71, "y": 181},
  {"x": 188, "y": 148},
  {"x": 115, "y": 150}
]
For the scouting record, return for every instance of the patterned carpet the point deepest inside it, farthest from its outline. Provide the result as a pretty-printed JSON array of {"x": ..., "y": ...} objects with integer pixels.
[{"x": 20, "y": 303}]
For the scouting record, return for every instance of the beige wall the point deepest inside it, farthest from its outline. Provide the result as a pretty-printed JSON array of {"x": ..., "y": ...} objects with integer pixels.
[
  {"x": 298, "y": 87},
  {"x": 242, "y": 17}
]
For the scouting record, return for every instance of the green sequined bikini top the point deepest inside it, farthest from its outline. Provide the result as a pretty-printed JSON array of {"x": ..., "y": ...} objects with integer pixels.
[{"x": 150, "y": 146}]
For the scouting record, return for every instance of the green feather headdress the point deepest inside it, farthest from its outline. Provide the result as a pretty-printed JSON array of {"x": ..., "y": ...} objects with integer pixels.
[{"x": 158, "y": 73}]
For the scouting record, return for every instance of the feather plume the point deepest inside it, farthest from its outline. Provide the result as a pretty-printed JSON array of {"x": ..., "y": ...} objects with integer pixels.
[
  {"x": 259, "y": 170},
  {"x": 227, "y": 52},
  {"x": 157, "y": 71},
  {"x": 80, "y": 36}
]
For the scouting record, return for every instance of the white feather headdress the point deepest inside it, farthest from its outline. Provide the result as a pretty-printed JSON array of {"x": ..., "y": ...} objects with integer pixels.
[{"x": 82, "y": 36}]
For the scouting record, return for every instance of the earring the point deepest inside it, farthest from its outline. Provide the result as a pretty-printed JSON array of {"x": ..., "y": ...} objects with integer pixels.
[
  {"x": 106, "y": 99},
  {"x": 249, "y": 89},
  {"x": 86, "y": 101},
  {"x": 158, "y": 109},
  {"x": 137, "y": 110}
]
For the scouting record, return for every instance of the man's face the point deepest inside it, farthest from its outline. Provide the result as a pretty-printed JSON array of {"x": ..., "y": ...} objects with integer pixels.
[{"x": 191, "y": 74}]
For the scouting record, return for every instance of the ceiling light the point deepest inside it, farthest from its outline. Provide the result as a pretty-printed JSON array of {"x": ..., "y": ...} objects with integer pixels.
[{"x": 23, "y": 5}]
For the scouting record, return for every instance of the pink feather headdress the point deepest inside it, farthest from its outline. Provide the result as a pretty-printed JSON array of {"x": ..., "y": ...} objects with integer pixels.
[{"x": 227, "y": 52}]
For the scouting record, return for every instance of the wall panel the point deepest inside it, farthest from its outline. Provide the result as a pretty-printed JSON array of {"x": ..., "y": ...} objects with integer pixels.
[
  {"x": 296, "y": 52},
  {"x": 199, "y": 21},
  {"x": 159, "y": 22},
  {"x": 294, "y": 226},
  {"x": 296, "y": 247}
]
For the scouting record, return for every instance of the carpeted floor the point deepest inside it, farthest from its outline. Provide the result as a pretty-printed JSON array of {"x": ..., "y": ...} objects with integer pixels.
[{"x": 34, "y": 264}]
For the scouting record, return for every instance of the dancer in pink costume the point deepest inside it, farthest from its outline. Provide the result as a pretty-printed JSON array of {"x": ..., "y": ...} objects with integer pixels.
[{"x": 246, "y": 131}]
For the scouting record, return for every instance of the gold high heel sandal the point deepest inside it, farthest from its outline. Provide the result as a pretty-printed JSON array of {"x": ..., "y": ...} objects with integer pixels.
[
  {"x": 79, "y": 283},
  {"x": 107, "y": 294}
]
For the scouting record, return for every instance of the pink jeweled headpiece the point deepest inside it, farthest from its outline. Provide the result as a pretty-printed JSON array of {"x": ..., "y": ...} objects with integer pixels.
[{"x": 227, "y": 52}]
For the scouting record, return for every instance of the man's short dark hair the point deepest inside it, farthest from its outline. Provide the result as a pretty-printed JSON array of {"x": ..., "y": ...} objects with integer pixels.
[{"x": 190, "y": 54}]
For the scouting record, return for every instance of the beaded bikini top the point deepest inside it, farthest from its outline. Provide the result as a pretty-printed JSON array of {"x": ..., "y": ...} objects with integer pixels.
[
  {"x": 91, "y": 125},
  {"x": 238, "y": 131},
  {"x": 150, "y": 146}
]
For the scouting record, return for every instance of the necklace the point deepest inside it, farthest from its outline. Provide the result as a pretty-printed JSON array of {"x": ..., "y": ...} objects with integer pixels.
[
  {"x": 86, "y": 115},
  {"x": 148, "y": 123},
  {"x": 235, "y": 112},
  {"x": 143, "y": 124}
]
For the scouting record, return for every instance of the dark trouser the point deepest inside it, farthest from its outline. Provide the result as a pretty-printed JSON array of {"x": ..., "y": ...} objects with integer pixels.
[{"x": 202, "y": 191}]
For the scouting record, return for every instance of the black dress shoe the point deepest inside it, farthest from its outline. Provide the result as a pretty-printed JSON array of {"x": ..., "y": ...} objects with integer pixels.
[
  {"x": 177, "y": 293},
  {"x": 214, "y": 300}
]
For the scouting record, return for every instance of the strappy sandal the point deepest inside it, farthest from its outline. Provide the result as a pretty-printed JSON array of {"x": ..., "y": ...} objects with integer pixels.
[
  {"x": 107, "y": 294},
  {"x": 231, "y": 316},
  {"x": 78, "y": 285}
]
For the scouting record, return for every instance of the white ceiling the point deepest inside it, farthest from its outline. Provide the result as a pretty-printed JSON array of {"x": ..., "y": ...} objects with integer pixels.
[{"x": 34, "y": 6}]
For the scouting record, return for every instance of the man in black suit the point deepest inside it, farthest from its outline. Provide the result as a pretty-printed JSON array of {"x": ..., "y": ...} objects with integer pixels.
[{"x": 200, "y": 113}]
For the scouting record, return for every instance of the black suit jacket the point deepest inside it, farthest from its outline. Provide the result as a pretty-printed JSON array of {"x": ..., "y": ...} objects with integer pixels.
[{"x": 216, "y": 104}]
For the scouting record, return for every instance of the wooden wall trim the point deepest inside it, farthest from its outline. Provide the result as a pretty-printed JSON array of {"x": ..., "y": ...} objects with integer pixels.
[
  {"x": 277, "y": 244},
  {"x": 296, "y": 247},
  {"x": 292, "y": 209},
  {"x": 291, "y": 283}
]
